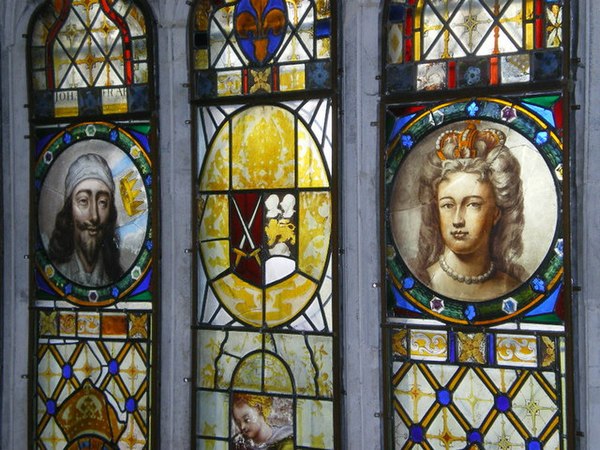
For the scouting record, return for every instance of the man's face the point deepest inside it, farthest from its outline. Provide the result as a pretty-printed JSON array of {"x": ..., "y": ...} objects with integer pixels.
[{"x": 91, "y": 207}]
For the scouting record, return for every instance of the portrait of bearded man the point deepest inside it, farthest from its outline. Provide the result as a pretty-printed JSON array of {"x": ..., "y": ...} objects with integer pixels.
[{"x": 84, "y": 245}]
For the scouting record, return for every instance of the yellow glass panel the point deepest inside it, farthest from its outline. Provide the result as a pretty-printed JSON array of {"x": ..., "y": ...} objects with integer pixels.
[
  {"x": 399, "y": 344},
  {"x": 554, "y": 26},
  {"x": 292, "y": 78},
  {"x": 429, "y": 345},
  {"x": 249, "y": 375},
  {"x": 213, "y": 416},
  {"x": 323, "y": 351},
  {"x": 314, "y": 423},
  {"x": 395, "y": 41},
  {"x": 284, "y": 300},
  {"x": 114, "y": 101},
  {"x": 471, "y": 347},
  {"x": 311, "y": 169},
  {"x": 216, "y": 257},
  {"x": 529, "y": 36},
  {"x": 294, "y": 350},
  {"x": 66, "y": 103},
  {"x": 324, "y": 48},
  {"x": 201, "y": 15},
  {"x": 201, "y": 59},
  {"x": 215, "y": 220},
  {"x": 419, "y": 14},
  {"x": 241, "y": 299},
  {"x": 135, "y": 19},
  {"x": 215, "y": 173},
  {"x": 548, "y": 351},
  {"x": 229, "y": 83},
  {"x": 209, "y": 344},
  {"x": 48, "y": 323},
  {"x": 513, "y": 350},
  {"x": 323, "y": 9},
  {"x": 263, "y": 149},
  {"x": 529, "y": 9},
  {"x": 315, "y": 231},
  {"x": 417, "y": 46}
]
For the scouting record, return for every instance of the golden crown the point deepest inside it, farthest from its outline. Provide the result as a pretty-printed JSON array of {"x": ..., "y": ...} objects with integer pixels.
[
  {"x": 88, "y": 412},
  {"x": 468, "y": 143},
  {"x": 130, "y": 194}
]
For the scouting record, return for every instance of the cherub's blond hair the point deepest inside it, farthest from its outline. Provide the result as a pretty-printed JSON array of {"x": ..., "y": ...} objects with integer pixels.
[{"x": 262, "y": 403}]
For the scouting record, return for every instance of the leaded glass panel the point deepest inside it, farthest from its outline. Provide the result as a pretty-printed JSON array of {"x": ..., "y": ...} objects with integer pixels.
[
  {"x": 476, "y": 290},
  {"x": 89, "y": 58},
  {"x": 94, "y": 271},
  {"x": 93, "y": 304},
  {"x": 476, "y": 294},
  {"x": 265, "y": 311},
  {"x": 460, "y": 44},
  {"x": 251, "y": 47},
  {"x": 475, "y": 191}
]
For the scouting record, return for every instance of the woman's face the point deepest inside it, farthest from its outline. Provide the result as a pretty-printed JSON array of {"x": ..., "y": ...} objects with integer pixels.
[
  {"x": 249, "y": 420},
  {"x": 467, "y": 211}
]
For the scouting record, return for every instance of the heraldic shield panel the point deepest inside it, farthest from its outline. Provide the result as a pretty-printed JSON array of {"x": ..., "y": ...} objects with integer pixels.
[
  {"x": 93, "y": 196},
  {"x": 263, "y": 88},
  {"x": 265, "y": 305},
  {"x": 475, "y": 284}
]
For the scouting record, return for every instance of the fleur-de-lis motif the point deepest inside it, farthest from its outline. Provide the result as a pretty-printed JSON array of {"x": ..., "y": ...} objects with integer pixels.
[{"x": 260, "y": 25}]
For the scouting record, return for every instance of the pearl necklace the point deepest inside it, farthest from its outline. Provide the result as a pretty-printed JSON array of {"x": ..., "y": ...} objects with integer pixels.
[{"x": 464, "y": 278}]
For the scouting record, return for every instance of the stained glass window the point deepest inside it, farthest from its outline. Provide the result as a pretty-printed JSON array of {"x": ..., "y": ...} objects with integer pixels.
[
  {"x": 454, "y": 44},
  {"x": 254, "y": 47},
  {"x": 90, "y": 58},
  {"x": 266, "y": 303},
  {"x": 477, "y": 290},
  {"x": 94, "y": 274}
]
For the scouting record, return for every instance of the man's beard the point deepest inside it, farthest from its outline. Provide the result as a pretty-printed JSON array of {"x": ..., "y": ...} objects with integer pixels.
[{"x": 89, "y": 246}]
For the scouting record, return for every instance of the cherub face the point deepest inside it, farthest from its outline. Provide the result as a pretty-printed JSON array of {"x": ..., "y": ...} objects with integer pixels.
[{"x": 249, "y": 420}]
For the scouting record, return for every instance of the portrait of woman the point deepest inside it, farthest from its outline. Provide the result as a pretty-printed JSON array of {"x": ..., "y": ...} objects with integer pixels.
[
  {"x": 471, "y": 202},
  {"x": 255, "y": 426}
]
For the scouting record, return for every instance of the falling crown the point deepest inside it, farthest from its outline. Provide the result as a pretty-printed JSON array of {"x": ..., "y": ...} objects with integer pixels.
[
  {"x": 468, "y": 143},
  {"x": 130, "y": 194}
]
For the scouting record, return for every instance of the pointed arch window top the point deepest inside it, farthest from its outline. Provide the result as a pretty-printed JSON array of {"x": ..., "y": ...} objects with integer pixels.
[
  {"x": 454, "y": 44},
  {"x": 89, "y": 57}
]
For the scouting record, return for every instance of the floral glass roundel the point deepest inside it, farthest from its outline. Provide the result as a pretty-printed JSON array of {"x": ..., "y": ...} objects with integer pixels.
[
  {"x": 260, "y": 28},
  {"x": 265, "y": 216}
]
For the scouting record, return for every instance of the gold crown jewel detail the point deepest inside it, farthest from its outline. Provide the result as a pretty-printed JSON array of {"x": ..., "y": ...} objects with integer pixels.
[{"x": 468, "y": 143}]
